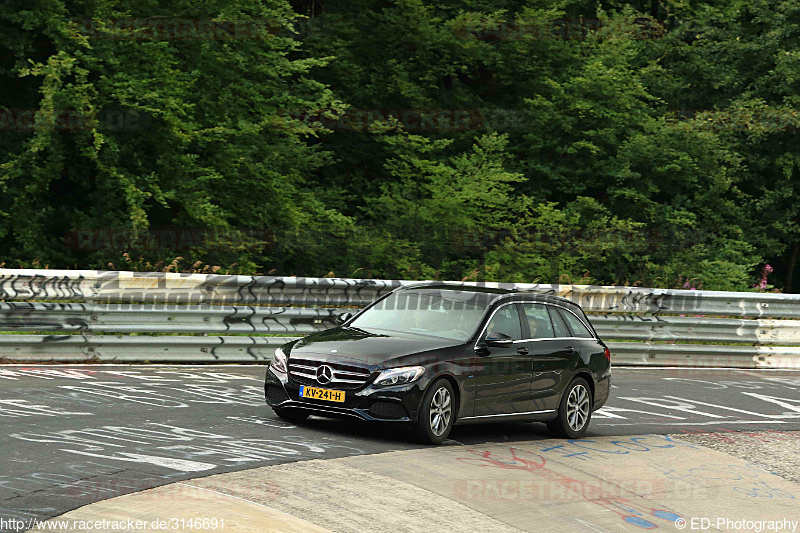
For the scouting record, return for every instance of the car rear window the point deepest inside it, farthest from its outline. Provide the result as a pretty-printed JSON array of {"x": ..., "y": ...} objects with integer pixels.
[
  {"x": 577, "y": 327},
  {"x": 560, "y": 327}
]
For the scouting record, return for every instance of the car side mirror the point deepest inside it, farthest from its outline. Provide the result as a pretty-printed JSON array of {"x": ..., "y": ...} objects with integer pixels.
[
  {"x": 343, "y": 317},
  {"x": 498, "y": 339},
  {"x": 482, "y": 349}
]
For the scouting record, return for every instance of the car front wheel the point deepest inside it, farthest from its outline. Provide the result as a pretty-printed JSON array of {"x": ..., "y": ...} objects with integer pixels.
[
  {"x": 437, "y": 413},
  {"x": 574, "y": 412}
]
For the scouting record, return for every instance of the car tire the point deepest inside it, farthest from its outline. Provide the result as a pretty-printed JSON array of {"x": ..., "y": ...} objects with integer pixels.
[
  {"x": 290, "y": 415},
  {"x": 437, "y": 413},
  {"x": 574, "y": 411}
]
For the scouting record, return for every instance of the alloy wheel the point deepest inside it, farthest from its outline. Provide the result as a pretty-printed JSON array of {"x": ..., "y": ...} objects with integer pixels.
[
  {"x": 441, "y": 410},
  {"x": 578, "y": 407}
]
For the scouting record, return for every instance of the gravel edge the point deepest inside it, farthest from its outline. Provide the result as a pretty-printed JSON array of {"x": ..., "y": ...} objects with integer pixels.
[{"x": 776, "y": 451}]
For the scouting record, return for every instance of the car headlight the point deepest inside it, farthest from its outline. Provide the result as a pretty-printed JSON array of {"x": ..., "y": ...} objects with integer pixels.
[
  {"x": 278, "y": 363},
  {"x": 399, "y": 376}
]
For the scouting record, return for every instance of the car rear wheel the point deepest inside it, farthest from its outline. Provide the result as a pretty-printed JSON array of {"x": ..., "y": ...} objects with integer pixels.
[
  {"x": 574, "y": 412},
  {"x": 291, "y": 415},
  {"x": 437, "y": 413}
]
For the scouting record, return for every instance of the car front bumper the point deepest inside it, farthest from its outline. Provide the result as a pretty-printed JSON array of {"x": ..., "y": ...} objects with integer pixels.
[{"x": 380, "y": 404}]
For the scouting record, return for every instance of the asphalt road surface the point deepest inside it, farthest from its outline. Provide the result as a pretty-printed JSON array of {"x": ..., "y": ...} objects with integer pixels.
[{"x": 72, "y": 435}]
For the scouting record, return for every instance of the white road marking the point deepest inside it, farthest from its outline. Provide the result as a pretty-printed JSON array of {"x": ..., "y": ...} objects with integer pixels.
[
  {"x": 181, "y": 465},
  {"x": 698, "y": 423},
  {"x": 735, "y": 409}
]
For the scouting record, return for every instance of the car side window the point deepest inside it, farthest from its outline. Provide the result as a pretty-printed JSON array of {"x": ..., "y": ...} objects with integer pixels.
[
  {"x": 559, "y": 326},
  {"x": 506, "y": 321},
  {"x": 577, "y": 327},
  {"x": 538, "y": 320}
]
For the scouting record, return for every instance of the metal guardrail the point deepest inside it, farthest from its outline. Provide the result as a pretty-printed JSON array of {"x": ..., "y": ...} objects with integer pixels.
[
  {"x": 697, "y": 329},
  {"x": 94, "y": 286},
  {"x": 78, "y": 309},
  {"x": 694, "y": 355},
  {"x": 139, "y": 348},
  {"x": 224, "y": 320},
  {"x": 99, "y": 318}
]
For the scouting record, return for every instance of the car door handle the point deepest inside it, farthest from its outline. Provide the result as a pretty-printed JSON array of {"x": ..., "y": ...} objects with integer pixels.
[
  {"x": 522, "y": 350},
  {"x": 569, "y": 350}
]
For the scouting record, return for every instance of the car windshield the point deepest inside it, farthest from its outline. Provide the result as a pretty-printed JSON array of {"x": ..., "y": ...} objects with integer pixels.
[{"x": 450, "y": 314}]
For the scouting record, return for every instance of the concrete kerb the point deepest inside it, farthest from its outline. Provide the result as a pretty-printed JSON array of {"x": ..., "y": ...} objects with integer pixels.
[{"x": 593, "y": 484}]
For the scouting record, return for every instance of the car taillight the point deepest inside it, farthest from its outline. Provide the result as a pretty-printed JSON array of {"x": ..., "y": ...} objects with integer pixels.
[{"x": 607, "y": 353}]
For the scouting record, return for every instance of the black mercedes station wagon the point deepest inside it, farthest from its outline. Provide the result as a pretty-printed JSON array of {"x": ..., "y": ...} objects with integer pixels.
[{"x": 439, "y": 354}]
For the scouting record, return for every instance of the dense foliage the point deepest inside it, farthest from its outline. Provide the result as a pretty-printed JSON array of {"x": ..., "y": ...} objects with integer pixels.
[{"x": 565, "y": 141}]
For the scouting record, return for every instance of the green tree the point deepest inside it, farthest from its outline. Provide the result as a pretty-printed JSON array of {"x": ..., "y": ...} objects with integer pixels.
[{"x": 181, "y": 121}]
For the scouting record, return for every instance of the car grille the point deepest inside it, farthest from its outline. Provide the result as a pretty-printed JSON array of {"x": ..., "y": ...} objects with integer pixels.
[{"x": 344, "y": 376}]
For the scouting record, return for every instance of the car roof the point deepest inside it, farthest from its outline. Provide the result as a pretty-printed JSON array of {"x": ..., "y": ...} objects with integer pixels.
[{"x": 528, "y": 296}]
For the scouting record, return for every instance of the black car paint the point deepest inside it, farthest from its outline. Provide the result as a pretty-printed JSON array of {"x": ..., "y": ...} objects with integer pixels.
[{"x": 524, "y": 380}]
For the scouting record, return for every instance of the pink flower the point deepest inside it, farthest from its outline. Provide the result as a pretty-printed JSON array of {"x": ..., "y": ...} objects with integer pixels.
[{"x": 762, "y": 284}]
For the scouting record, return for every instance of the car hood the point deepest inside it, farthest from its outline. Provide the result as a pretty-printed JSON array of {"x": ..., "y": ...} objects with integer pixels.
[{"x": 372, "y": 348}]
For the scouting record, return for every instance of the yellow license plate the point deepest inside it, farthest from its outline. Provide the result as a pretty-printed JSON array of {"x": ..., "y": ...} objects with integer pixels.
[{"x": 322, "y": 394}]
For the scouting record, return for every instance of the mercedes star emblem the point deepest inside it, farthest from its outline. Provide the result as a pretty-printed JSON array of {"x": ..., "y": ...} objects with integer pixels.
[{"x": 324, "y": 374}]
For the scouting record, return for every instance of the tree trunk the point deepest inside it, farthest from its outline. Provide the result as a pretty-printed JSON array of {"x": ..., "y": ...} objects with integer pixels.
[{"x": 791, "y": 267}]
